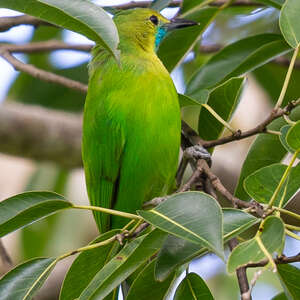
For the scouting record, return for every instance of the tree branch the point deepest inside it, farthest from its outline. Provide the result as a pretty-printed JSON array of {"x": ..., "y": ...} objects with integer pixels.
[
  {"x": 42, "y": 74},
  {"x": 40, "y": 134}
]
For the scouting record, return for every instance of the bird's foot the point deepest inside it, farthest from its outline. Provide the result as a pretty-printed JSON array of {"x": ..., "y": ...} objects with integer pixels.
[
  {"x": 198, "y": 152},
  {"x": 122, "y": 236},
  {"x": 155, "y": 201}
]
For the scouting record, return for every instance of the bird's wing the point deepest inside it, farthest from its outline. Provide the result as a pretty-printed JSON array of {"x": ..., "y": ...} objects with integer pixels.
[{"x": 103, "y": 144}]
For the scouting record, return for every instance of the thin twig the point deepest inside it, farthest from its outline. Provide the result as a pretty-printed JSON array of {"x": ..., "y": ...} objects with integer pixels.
[
  {"x": 241, "y": 275},
  {"x": 260, "y": 128},
  {"x": 279, "y": 260},
  {"x": 42, "y": 74}
]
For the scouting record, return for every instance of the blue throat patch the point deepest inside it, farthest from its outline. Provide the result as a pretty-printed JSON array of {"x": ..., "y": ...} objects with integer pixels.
[{"x": 161, "y": 32}]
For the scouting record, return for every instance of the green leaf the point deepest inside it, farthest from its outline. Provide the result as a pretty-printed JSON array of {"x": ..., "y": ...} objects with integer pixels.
[
  {"x": 190, "y": 5},
  {"x": 293, "y": 137},
  {"x": 283, "y": 132},
  {"x": 170, "y": 54},
  {"x": 289, "y": 22},
  {"x": 25, "y": 208},
  {"x": 26, "y": 279},
  {"x": 193, "y": 216},
  {"x": 280, "y": 296},
  {"x": 176, "y": 252},
  {"x": 160, "y": 4},
  {"x": 193, "y": 287},
  {"x": 223, "y": 100},
  {"x": 187, "y": 101},
  {"x": 272, "y": 237},
  {"x": 235, "y": 60},
  {"x": 289, "y": 278},
  {"x": 146, "y": 287},
  {"x": 87, "y": 265},
  {"x": 275, "y": 3},
  {"x": 262, "y": 184},
  {"x": 261, "y": 154},
  {"x": 81, "y": 16},
  {"x": 133, "y": 255}
]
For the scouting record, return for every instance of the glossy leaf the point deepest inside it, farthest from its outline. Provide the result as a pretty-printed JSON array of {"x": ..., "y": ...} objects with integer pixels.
[
  {"x": 176, "y": 252},
  {"x": 170, "y": 54},
  {"x": 272, "y": 237},
  {"x": 187, "y": 101},
  {"x": 280, "y": 296},
  {"x": 289, "y": 22},
  {"x": 146, "y": 287},
  {"x": 26, "y": 279},
  {"x": 236, "y": 59},
  {"x": 188, "y": 216},
  {"x": 193, "y": 287},
  {"x": 283, "y": 132},
  {"x": 289, "y": 278},
  {"x": 223, "y": 100},
  {"x": 87, "y": 265},
  {"x": 261, "y": 154},
  {"x": 23, "y": 209},
  {"x": 131, "y": 257},
  {"x": 160, "y": 4},
  {"x": 293, "y": 137},
  {"x": 81, "y": 16},
  {"x": 262, "y": 184},
  {"x": 190, "y": 6}
]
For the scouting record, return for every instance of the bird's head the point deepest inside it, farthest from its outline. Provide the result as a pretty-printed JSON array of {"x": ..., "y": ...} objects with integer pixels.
[{"x": 145, "y": 28}]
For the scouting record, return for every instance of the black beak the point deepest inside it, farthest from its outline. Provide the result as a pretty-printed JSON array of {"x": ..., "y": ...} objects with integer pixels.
[{"x": 180, "y": 23}]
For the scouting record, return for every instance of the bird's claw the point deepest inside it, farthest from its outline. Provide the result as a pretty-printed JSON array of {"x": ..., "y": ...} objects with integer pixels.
[{"x": 198, "y": 152}]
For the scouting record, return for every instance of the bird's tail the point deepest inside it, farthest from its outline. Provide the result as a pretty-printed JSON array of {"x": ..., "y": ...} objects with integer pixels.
[{"x": 102, "y": 196}]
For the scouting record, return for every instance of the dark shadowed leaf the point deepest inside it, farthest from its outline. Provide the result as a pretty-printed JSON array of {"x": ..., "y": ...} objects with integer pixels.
[
  {"x": 289, "y": 22},
  {"x": 170, "y": 54},
  {"x": 146, "y": 287},
  {"x": 81, "y": 16},
  {"x": 272, "y": 237},
  {"x": 187, "y": 101},
  {"x": 236, "y": 59},
  {"x": 283, "y": 132},
  {"x": 23, "y": 281},
  {"x": 289, "y": 278},
  {"x": 293, "y": 137},
  {"x": 160, "y": 4},
  {"x": 193, "y": 287},
  {"x": 130, "y": 258},
  {"x": 274, "y": 3},
  {"x": 87, "y": 265},
  {"x": 223, "y": 100},
  {"x": 25, "y": 208},
  {"x": 262, "y": 184},
  {"x": 176, "y": 251},
  {"x": 188, "y": 216},
  {"x": 191, "y": 5},
  {"x": 280, "y": 296}
]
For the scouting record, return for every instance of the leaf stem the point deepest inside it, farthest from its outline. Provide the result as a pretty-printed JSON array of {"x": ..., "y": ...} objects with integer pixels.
[
  {"x": 219, "y": 118},
  {"x": 109, "y": 211},
  {"x": 266, "y": 252},
  {"x": 287, "y": 212},
  {"x": 287, "y": 79},
  {"x": 282, "y": 180},
  {"x": 292, "y": 234},
  {"x": 292, "y": 227}
]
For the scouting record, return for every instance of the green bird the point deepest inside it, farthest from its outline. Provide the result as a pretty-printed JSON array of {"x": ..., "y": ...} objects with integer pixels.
[{"x": 131, "y": 127}]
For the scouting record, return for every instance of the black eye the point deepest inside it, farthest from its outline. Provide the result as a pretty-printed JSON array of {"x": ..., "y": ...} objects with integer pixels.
[{"x": 154, "y": 19}]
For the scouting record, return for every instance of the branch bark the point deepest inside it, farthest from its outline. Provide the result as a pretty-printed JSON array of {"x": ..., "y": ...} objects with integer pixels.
[{"x": 40, "y": 134}]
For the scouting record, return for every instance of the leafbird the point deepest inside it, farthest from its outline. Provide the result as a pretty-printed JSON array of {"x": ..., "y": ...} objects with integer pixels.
[{"x": 131, "y": 127}]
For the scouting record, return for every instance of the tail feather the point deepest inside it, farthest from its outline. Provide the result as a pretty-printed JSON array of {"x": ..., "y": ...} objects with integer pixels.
[{"x": 102, "y": 196}]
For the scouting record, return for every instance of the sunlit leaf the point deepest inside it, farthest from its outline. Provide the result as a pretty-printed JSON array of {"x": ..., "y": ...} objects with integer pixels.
[
  {"x": 26, "y": 279},
  {"x": 193, "y": 287},
  {"x": 23, "y": 209},
  {"x": 81, "y": 16},
  {"x": 289, "y": 22},
  {"x": 293, "y": 137},
  {"x": 188, "y": 216},
  {"x": 272, "y": 238}
]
